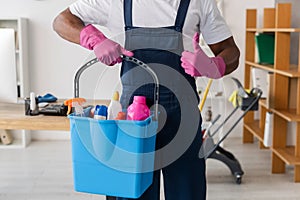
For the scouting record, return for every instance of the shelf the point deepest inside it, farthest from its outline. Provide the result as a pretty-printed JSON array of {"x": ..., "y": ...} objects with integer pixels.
[
  {"x": 287, "y": 155},
  {"x": 284, "y": 30},
  {"x": 255, "y": 130},
  {"x": 280, "y": 16},
  {"x": 293, "y": 72},
  {"x": 290, "y": 114}
]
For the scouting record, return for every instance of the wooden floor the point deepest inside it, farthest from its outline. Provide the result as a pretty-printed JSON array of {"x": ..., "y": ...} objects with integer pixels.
[{"x": 44, "y": 171}]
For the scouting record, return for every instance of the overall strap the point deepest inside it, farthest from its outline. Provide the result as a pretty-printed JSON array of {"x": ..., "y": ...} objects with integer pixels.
[
  {"x": 181, "y": 14},
  {"x": 127, "y": 13},
  {"x": 180, "y": 18}
]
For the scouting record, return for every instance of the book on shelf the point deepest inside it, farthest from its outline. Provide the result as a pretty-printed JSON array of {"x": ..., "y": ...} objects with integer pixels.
[
  {"x": 268, "y": 131},
  {"x": 259, "y": 80}
]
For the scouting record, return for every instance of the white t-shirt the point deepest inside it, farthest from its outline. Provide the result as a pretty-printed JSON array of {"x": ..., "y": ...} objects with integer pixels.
[{"x": 203, "y": 16}]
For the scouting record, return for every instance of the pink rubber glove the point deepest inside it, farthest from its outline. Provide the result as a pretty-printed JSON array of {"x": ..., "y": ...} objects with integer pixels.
[
  {"x": 199, "y": 64},
  {"x": 106, "y": 50}
]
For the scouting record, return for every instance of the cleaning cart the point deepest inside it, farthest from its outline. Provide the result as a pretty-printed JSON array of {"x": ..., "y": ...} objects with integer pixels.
[
  {"x": 113, "y": 157},
  {"x": 245, "y": 101}
]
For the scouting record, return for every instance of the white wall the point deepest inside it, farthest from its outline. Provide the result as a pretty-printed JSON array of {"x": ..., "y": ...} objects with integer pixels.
[
  {"x": 234, "y": 11},
  {"x": 54, "y": 61}
]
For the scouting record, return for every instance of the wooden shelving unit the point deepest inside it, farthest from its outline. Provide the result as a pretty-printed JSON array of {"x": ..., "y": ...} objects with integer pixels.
[{"x": 278, "y": 21}]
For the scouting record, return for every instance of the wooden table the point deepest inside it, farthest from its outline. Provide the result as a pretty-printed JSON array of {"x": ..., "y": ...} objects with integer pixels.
[{"x": 12, "y": 117}]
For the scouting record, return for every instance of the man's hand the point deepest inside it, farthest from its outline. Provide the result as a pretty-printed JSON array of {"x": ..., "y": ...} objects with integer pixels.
[
  {"x": 197, "y": 63},
  {"x": 106, "y": 50}
]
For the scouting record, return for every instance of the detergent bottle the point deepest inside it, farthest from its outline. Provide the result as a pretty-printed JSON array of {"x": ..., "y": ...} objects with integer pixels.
[
  {"x": 138, "y": 110},
  {"x": 100, "y": 112},
  {"x": 114, "y": 107}
]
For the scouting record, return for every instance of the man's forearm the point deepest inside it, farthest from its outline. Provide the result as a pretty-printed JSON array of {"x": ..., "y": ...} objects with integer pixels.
[
  {"x": 231, "y": 57},
  {"x": 228, "y": 50},
  {"x": 68, "y": 26}
]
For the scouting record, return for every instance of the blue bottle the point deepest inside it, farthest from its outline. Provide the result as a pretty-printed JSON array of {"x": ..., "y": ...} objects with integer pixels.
[{"x": 100, "y": 112}]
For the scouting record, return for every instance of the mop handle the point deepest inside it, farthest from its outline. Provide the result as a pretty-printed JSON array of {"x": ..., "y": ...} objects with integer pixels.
[{"x": 205, "y": 94}]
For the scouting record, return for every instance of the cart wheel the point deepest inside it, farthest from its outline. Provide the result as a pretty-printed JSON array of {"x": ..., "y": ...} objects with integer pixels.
[{"x": 238, "y": 179}]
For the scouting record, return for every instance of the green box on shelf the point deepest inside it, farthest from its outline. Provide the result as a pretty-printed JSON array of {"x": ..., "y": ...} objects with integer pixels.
[{"x": 265, "y": 46}]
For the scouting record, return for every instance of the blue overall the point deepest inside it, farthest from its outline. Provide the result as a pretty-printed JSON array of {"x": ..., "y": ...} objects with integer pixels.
[{"x": 179, "y": 137}]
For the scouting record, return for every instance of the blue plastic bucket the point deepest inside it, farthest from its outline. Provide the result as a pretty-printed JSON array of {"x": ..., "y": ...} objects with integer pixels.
[{"x": 112, "y": 157}]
